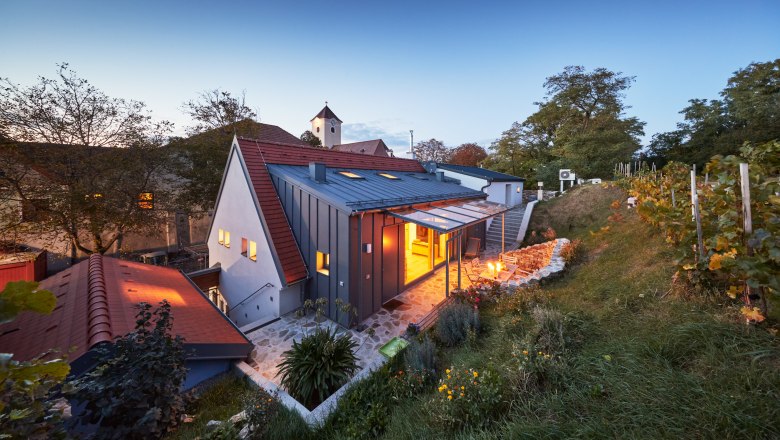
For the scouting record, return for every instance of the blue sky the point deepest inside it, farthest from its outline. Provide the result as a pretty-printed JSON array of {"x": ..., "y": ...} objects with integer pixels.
[{"x": 456, "y": 71}]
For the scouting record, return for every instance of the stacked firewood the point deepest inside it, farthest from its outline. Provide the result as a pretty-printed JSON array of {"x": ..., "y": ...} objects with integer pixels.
[{"x": 533, "y": 258}]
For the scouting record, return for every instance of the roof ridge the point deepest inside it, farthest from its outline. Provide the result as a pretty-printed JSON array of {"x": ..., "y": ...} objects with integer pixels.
[
  {"x": 306, "y": 147},
  {"x": 98, "y": 318}
]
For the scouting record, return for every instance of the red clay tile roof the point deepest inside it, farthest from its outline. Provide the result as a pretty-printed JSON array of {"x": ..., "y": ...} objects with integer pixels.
[
  {"x": 95, "y": 303},
  {"x": 374, "y": 147},
  {"x": 257, "y": 154}
]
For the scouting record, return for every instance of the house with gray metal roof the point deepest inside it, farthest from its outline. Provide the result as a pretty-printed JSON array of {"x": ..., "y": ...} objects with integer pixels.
[{"x": 294, "y": 223}]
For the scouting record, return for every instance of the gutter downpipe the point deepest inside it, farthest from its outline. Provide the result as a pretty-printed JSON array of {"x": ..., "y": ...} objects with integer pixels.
[{"x": 360, "y": 260}]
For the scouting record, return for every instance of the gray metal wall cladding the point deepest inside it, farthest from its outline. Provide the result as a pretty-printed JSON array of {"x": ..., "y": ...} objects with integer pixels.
[{"x": 318, "y": 226}]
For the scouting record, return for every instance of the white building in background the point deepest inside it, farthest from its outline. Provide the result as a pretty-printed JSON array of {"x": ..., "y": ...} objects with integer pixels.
[
  {"x": 500, "y": 187},
  {"x": 327, "y": 126}
]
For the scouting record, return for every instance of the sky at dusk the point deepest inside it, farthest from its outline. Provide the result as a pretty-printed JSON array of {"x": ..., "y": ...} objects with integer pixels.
[{"x": 456, "y": 71}]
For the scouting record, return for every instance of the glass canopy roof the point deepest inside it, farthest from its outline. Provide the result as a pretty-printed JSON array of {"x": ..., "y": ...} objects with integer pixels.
[{"x": 450, "y": 218}]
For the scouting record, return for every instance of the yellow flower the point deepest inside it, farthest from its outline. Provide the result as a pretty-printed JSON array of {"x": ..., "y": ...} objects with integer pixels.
[
  {"x": 449, "y": 397},
  {"x": 540, "y": 353},
  {"x": 447, "y": 371},
  {"x": 462, "y": 387},
  {"x": 476, "y": 374},
  {"x": 461, "y": 394},
  {"x": 449, "y": 392},
  {"x": 448, "y": 377}
]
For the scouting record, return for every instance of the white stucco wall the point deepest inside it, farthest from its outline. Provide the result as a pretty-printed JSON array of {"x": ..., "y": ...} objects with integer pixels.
[
  {"x": 327, "y": 138},
  {"x": 240, "y": 277},
  {"x": 495, "y": 191}
]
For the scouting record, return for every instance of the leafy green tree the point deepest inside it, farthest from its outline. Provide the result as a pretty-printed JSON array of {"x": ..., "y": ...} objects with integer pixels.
[
  {"x": 134, "y": 392},
  {"x": 580, "y": 124},
  {"x": 748, "y": 111},
  {"x": 309, "y": 137},
  {"x": 26, "y": 405}
]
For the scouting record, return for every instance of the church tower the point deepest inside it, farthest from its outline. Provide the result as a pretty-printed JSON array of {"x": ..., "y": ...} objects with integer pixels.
[{"x": 327, "y": 126}]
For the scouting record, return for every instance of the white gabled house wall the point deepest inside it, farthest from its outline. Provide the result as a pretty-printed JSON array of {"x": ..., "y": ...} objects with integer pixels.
[
  {"x": 237, "y": 213},
  {"x": 496, "y": 191}
]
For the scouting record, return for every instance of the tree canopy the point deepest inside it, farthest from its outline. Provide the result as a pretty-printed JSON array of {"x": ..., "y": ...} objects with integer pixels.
[
  {"x": 215, "y": 109},
  {"x": 75, "y": 163},
  {"x": 469, "y": 154},
  {"x": 432, "y": 150},
  {"x": 69, "y": 110},
  {"x": 580, "y": 124},
  {"x": 311, "y": 139},
  {"x": 748, "y": 111}
]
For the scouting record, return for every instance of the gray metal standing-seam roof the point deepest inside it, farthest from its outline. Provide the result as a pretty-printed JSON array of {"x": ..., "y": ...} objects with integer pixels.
[
  {"x": 482, "y": 173},
  {"x": 371, "y": 190}
]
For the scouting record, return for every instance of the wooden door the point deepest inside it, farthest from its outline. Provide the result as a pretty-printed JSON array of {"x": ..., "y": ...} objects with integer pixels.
[{"x": 391, "y": 241}]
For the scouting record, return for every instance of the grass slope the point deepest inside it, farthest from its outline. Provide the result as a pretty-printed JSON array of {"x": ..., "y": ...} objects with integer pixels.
[{"x": 647, "y": 366}]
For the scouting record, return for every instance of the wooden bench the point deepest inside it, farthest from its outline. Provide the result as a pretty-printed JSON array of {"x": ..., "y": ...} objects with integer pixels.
[{"x": 428, "y": 320}]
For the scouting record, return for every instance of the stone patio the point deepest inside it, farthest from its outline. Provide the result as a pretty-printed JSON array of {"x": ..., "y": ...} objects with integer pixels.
[{"x": 276, "y": 338}]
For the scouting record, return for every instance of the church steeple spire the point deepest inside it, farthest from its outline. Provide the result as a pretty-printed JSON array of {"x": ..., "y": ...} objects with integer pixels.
[{"x": 327, "y": 126}]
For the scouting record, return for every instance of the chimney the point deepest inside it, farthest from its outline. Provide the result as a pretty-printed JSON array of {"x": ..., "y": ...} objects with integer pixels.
[
  {"x": 317, "y": 172},
  {"x": 440, "y": 176}
]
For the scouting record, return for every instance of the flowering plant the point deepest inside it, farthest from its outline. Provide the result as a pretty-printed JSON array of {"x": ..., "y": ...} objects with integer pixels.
[
  {"x": 467, "y": 397},
  {"x": 404, "y": 384}
]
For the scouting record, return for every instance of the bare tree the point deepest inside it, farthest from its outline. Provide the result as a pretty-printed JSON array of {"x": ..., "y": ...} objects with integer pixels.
[
  {"x": 61, "y": 178},
  {"x": 432, "y": 150},
  {"x": 69, "y": 110},
  {"x": 216, "y": 109}
]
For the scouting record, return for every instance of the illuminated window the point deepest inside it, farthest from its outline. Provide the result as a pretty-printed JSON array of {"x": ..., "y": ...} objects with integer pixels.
[
  {"x": 323, "y": 263},
  {"x": 146, "y": 200},
  {"x": 244, "y": 246},
  {"x": 227, "y": 239},
  {"x": 221, "y": 238},
  {"x": 252, "y": 250},
  {"x": 350, "y": 174},
  {"x": 389, "y": 176}
]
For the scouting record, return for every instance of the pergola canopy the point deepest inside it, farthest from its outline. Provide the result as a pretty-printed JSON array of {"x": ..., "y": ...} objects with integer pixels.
[{"x": 453, "y": 217}]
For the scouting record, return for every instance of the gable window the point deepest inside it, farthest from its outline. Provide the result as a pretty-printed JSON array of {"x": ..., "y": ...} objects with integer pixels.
[
  {"x": 350, "y": 175},
  {"x": 244, "y": 246},
  {"x": 146, "y": 200},
  {"x": 252, "y": 250},
  {"x": 323, "y": 263},
  {"x": 221, "y": 238}
]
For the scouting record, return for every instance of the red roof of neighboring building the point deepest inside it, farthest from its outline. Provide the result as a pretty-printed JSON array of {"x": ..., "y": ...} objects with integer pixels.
[
  {"x": 96, "y": 301},
  {"x": 374, "y": 147},
  {"x": 257, "y": 154}
]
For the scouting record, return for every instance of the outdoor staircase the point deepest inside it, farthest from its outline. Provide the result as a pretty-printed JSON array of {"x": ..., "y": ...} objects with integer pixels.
[{"x": 514, "y": 218}]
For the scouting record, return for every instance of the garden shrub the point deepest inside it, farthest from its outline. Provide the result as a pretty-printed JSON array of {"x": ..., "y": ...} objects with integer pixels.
[
  {"x": 260, "y": 409},
  {"x": 318, "y": 365},
  {"x": 540, "y": 356},
  {"x": 225, "y": 431},
  {"x": 363, "y": 411},
  {"x": 467, "y": 397},
  {"x": 134, "y": 392},
  {"x": 455, "y": 321},
  {"x": 420, "y": 355},
  {"x": 572, "y": 252}
]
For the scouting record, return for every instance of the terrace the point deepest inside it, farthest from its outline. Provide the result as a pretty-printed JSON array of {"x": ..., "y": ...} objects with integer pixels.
[{"x": 411, "y": 306}]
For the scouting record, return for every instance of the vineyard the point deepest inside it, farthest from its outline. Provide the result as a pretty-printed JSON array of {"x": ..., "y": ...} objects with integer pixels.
[{"x": 724, "y": 223}]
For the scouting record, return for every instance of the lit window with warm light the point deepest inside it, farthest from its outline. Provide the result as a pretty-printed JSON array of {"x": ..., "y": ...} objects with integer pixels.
[
  {"x": 350, "y": 175},
  {"x": 389, "y": 176},
  {"x": 252, "y": 250},
  {"x": 323, "y": 263},
  {"x": 244, "y": 246},
  {"x": 221, "y": 237},
  {"x": 146, "y": 200},
  {"x": 227, "y": 239}
]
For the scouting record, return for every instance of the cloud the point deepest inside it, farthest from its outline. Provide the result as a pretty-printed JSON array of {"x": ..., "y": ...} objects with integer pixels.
[{"x": 396, "y": 140}]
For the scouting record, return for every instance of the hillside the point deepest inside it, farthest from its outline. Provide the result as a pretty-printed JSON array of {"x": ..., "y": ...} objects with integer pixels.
[{"x": 646, "y": 362}]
